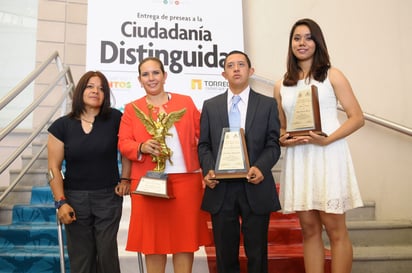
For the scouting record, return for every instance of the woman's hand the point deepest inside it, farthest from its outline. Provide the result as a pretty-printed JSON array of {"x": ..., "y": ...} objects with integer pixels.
[
  {"x": 66, "y": 214},
  {"x": 123, "y": 188},
  {"x": 312, "y": 138},
  {"x": 286, "y": 140},
  {"x": 151, "y": 146},
  {"x": 318, "y": 139}
]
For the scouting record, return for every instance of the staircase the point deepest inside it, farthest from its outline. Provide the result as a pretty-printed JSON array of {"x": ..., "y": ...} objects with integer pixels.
[
  {"x": 285, "y": 249},
  {"x": 28, "y": 226},
  {"x": 28, "y": 236},
  {"x": 30, "y": 242},
  {"x": 379, "y": 246}
]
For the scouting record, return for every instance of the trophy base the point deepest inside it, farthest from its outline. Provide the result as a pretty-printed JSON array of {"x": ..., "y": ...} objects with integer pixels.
[{"x": 154, "y": 184}]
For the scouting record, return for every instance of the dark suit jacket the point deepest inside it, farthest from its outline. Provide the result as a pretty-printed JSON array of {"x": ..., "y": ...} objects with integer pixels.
[{"x": 261, "y": 134}]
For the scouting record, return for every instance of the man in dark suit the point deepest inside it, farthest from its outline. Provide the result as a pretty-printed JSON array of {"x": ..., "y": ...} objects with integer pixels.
[{"x": 252, "y": 198}]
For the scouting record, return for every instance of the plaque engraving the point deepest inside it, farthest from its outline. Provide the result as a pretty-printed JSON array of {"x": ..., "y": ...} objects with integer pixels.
[
  {"x": 306, "y": 114},
  {"x": 233, "y": 159},
  {"x": 154, "y": 184}
]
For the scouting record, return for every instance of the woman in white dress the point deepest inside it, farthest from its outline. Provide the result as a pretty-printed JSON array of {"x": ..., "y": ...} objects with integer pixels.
[{"x": 318, "y": 181}]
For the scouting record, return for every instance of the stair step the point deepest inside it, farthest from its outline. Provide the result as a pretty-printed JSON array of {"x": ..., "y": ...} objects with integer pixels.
[
  {"x": 23, "y": 195},
  {"x": 281, "y": 259},
  {"x": 40, "y": 163},
  {"x": 382, "y": 259},
  {"x": 379, "y": 233},
  {"x": 372, "y": 252},
  {"x": 19, "y": 195},
  {"x": 36, "y": 213},
  {"x": 18, "y": 235},
  {"x": 41, "y": 195},
  {"x": 281, "y": 232},
  {"x": 280, "y": 216},
  {"x": 284, "y": 232},
  {"x": 30, "y": 243},
  {"x": 6, "y": 212},
  {"x": 367, "y": 212},
  {"x": 37, "y": 144},
  {"x": 28, "y": 259},
  {"x": 35, "y": 177},
  {"x": 28, "y": 194}
]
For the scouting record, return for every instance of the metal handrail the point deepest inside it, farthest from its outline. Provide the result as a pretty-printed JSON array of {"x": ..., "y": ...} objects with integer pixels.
[
  {"x": 369, "y": 117},
  {"x": 22, "y": 173},
  {"x": 32, "y": 106},
  {"x": 29, "y": 140},
  {"x": 27, "y": 80},
  {"x": 386, "y": 123},
  {"x": 64, "y": 74}
]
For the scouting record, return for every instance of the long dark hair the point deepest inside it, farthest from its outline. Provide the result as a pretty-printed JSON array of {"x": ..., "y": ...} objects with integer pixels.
[
  {"x": 78, "y": 106},
  {"x": 321, "y": 62}
]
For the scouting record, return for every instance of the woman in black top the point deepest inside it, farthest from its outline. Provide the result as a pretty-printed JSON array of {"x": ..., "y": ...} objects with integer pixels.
[{"x": 89, "y": 195}]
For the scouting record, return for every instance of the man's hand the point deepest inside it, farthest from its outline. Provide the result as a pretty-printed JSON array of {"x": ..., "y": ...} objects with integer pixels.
[
  {"x": 209, "y": 180},
  {"x": 254, "y": 175}
]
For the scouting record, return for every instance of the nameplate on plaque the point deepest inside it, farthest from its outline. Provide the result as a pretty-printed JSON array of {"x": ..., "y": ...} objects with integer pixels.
[{"x": 154, "y": 184}]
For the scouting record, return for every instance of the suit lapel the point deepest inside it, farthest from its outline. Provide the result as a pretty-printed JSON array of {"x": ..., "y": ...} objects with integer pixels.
[
  {"x": 251, "y": 109},
  {"x": 222, "y": 109}
]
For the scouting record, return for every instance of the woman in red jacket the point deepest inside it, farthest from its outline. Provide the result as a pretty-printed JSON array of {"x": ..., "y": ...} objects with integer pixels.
[{"x": 161, "y": 226}]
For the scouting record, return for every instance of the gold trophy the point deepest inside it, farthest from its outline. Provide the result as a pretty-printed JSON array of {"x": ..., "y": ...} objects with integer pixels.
[{"x": 154, "y": 183}]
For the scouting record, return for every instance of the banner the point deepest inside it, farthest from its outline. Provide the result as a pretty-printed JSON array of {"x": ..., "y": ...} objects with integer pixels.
[{"x": 191, "y": 37}]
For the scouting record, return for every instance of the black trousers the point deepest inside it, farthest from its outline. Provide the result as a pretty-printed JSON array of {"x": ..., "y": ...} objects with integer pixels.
[
  {"x": 92, "y": 238},
  {"x": 235, "y": 217}
]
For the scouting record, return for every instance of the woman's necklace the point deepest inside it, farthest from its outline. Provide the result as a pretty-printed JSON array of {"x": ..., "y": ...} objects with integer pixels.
[
  {"x": 159, "y": 101},
  {"x": 88, "y": 121}
]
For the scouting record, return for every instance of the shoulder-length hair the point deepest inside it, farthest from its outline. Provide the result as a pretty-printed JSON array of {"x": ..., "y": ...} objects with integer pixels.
[
  {"x": 78, "y": 106},
  {"x": 321, "y": 62}
]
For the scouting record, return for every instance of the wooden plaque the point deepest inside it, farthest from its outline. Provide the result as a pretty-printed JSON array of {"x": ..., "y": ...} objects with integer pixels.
[
  {"x": 306, "y": 114},
  {"x": 232, "y": 160}
]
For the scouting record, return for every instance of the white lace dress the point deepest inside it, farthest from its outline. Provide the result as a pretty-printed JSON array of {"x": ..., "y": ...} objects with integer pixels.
[{"x": 318, "y": 177}]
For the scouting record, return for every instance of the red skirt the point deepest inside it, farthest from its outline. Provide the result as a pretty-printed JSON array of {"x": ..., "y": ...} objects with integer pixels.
[{"x": 165, "y": 226}]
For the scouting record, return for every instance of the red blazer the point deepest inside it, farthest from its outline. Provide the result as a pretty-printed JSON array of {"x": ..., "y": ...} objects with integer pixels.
[{"x": 132, "y": 133}]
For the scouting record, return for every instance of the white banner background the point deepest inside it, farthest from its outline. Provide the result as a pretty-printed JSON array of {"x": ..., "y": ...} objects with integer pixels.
[{"x": 191, "y": 37}]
